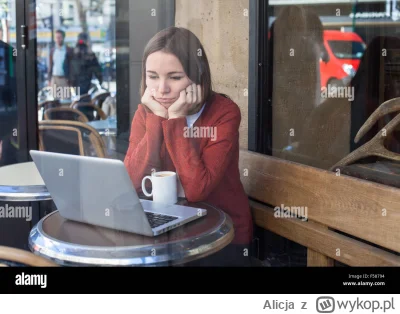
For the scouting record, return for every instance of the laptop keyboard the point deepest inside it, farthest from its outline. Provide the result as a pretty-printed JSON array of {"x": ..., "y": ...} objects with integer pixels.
[{"x": 156, "y": 220}]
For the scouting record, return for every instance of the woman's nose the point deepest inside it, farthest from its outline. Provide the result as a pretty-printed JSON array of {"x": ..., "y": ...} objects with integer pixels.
[{"x": 163, "y": 88}]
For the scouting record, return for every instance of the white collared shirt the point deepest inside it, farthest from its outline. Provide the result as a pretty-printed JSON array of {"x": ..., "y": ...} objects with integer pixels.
[
  {"x": 193, "y": 118},
  {"x": 58, "y": 60}
]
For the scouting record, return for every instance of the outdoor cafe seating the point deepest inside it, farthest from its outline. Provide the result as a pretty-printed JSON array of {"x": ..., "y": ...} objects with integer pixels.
[
  {"x": 99, "y": 98},
  {"x": 71, "y": 137},
  {"x": 91, "y": 111},
  {"x": 99, "y": 129},
  {"x": 63, "y": 113},
  {"x": 329, "y": 233},
  {"x": 344, "y": 224}
]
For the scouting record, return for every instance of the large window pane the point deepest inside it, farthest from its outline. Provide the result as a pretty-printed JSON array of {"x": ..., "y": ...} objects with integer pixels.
[
  {"x": 76, "y": 76},
  {"x": 332, "y": 65},
  {"x": 10, "y": 152}
]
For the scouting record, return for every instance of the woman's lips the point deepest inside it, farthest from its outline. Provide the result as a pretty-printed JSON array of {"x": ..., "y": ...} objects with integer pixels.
[{"x": 165, "y": 101}]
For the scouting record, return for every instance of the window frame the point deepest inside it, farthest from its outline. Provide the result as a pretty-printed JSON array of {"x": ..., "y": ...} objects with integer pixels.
[{"x": 259, "y": 131}]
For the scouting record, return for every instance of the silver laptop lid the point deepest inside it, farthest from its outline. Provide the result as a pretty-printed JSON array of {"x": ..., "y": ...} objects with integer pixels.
[{"x": 93, "y": 190}]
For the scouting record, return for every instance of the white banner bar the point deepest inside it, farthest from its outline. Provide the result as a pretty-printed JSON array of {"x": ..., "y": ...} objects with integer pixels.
[{"x": 200, "y": 304}]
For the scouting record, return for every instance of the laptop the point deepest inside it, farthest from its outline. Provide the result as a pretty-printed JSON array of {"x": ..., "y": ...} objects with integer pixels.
[{"x": 99, "y": 191}]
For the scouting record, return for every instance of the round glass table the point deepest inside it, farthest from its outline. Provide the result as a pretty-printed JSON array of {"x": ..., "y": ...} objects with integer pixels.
[
  {"x": 22, "y": 182},
  {"x": 71, "y": 243},
  {"x": 106, "y": 127}
]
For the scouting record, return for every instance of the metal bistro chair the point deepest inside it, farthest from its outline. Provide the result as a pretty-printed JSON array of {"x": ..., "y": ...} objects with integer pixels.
[
  {"x": 65, "y": 114},
  {"x": 82, "y": 98},
  {"x": 91, "y": 111},
  {"x": 99, "y": 98},
  {"x": 48, "y": 104},
  {"x": 13, "y": 257},
  {"x": 71, "y": 137}
]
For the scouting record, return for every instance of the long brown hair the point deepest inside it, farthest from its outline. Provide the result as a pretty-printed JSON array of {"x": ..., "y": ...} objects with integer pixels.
[{"x": 185, "y": 45}]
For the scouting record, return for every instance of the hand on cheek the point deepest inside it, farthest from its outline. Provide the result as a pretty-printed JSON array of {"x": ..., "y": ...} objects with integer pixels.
[
  {"x": 188, "y": 101},
  {"x": 152, "y": 105}
]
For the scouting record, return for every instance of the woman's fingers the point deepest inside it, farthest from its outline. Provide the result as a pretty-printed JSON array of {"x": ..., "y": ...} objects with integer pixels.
[
  {"x": 192, "y": 94},
  {"x": 189, "y": 94},
  {"x": 199, "y": 93},
  {"x": 183, "y": 95},
  {"x": 195, "y": 95}
]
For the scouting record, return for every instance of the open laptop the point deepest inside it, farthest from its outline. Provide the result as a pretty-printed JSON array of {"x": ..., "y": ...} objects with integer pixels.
[{"x": 99, "y": 191}]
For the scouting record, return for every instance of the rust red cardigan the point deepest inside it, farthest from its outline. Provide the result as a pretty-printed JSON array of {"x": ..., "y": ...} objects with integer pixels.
[{"x": 207, "y": 167}]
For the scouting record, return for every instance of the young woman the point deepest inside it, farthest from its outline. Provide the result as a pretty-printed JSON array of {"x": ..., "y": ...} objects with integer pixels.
[{"x": 176, "y": 94}]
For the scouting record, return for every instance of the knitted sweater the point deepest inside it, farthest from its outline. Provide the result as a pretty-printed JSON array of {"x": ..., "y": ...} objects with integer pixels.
[{"x": 205, "y": 157}]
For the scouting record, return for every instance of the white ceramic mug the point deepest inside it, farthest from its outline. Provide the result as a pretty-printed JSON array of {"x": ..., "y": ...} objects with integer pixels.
[{"x": 164, "y": 187}]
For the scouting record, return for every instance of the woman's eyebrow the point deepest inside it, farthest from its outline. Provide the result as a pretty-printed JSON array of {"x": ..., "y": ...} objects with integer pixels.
[{"x": 175, "y": 72}]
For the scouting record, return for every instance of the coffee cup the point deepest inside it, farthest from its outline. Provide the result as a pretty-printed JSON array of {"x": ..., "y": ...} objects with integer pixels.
[{"x": 164, "y": 187}]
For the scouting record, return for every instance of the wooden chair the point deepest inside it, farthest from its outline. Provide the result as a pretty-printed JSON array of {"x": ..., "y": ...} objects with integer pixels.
[
  {"x": 82, "y": 98},
  {"x": 98, "y": 99},
  {"x": 348, "y": 220},
  {"x": 91, "y": 111},
  {"x": 48, "y": 104},
  {"x": 65, "y": 114},
  {"x": 13, "y": 257},
  {"x": 71, "y": 137}
]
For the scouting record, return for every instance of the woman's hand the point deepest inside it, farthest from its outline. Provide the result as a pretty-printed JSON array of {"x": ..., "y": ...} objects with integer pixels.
[
  {"x": 189, "y": 101},
  {"x": 153, "y": 105}
]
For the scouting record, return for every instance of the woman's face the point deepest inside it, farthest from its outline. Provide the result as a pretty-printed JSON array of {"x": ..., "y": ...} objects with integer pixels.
[{"x": 165, "y": 75}]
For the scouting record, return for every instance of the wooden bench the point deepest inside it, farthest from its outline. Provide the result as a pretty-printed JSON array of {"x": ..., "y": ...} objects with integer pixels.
[{"x": 352, "y": 221}]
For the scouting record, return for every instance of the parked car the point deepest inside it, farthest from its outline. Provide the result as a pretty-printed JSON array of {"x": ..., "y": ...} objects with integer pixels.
[{"x": 340, "y": 57}]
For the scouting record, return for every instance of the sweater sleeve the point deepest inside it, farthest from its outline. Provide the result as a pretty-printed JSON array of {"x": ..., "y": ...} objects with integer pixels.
[
  {"x": 144, "y": 148},
  {"x": 201, "y": 171}
]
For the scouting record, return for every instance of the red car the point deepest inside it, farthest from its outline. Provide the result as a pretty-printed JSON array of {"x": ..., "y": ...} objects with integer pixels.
[{"x": 340, "y": 57}]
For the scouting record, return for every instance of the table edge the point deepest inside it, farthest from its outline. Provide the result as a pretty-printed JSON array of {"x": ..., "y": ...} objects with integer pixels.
[
  {"x": 219, "y": 237},
  {"x": 18, "y": 193}
]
